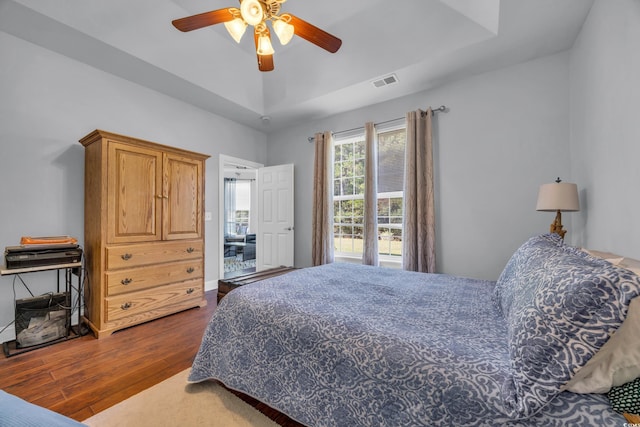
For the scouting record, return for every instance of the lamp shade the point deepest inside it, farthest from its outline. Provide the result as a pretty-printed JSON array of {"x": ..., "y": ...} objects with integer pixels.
[
  {"x": 264, "y": 46},
  {"x": 283, "y": 30},
  {"x": 559, "y": 196},
  {"x": 236, "y": 28}
]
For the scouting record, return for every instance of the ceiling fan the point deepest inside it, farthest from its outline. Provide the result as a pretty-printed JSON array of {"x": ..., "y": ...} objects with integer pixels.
[{"x": 256, "y": 13}]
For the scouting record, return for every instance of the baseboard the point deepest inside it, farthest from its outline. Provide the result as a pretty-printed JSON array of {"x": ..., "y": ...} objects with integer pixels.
[
  {"x": 8, "y": 334},
  {"x": 211, "y": 285}
]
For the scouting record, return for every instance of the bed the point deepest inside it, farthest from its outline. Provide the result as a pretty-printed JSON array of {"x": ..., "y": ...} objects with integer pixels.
[{"x": 353, "y": 345}]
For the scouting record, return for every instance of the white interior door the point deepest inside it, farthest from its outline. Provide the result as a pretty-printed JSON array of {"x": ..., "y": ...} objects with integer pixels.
[{"x": 275, "y": 233}]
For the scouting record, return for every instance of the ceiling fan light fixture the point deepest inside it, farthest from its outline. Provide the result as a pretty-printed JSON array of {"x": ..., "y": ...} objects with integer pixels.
[
  {"x": 257, "y": 13},
  {"x": 283, "y": 30},
  {"x": 252, "y": 11},
  {"x": 236, "y": 28},
  {"x": 264, "y": 46}
]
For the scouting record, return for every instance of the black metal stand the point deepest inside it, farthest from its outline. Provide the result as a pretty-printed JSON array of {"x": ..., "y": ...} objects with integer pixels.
[{"x": 70, "y": 270}]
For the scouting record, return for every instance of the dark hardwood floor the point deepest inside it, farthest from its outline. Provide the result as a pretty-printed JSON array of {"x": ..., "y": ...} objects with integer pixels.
[{"x": 83, "y": 376}]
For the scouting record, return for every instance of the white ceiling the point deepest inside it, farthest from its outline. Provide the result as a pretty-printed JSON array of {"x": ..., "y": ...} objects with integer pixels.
[{"x": 424, "y": 42}]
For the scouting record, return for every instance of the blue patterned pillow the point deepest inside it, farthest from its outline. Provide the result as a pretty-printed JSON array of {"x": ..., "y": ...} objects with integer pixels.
[{"x": 561, "y": 305}]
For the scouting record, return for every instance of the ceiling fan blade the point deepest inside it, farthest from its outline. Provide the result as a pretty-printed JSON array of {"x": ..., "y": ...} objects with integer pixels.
[
  {"x": 315, "y": 35},
  {"x": 265, "y": 62},
  {"x": 203, "y": 20}
]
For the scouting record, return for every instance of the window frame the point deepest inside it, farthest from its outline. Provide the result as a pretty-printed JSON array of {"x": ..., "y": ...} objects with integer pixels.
[{"x": 352, "y": 137}]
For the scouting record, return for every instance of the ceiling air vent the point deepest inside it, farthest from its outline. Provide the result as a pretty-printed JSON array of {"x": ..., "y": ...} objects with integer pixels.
[{"x": 384, "y": 81}]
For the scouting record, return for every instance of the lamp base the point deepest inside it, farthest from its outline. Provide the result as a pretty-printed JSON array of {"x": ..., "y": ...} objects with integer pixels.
[{"x": 556, "y": 225}]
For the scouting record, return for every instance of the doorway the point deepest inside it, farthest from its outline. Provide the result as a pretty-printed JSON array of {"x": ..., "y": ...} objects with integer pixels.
[{"x": 237, "y": 216}]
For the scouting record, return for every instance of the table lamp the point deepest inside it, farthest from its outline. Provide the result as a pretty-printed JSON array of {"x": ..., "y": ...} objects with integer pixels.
[{"x": 558, "y": 197}]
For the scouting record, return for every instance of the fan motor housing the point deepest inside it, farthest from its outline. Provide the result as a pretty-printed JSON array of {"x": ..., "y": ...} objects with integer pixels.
[{"x": 271, "y": 7}]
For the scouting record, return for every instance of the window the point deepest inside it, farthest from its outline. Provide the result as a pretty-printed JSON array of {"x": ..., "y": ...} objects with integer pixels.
[
  {"x": 237, "y": 206},
  {"x": 241, "y": 221},
  {"x": 348, "y": 192}
]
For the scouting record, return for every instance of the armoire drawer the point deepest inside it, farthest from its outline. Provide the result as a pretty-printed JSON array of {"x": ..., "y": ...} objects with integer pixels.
[
  {"x": 121, "y": 306},
  {"x": 127, "y": 256},
  {"x": 136, "y": 279}
]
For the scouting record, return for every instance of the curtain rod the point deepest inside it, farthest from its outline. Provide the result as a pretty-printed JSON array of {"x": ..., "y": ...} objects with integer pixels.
[{"x": 441, "y": 108}]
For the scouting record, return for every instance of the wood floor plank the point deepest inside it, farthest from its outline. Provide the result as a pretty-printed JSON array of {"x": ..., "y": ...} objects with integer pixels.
[
  {"x": 25, "y": 364},
  {"x": 83, "y": 414},
  {"x": 50, "y": 399},
  {"x": 33, "y": 384},
  {"x": 80, "y": 369}
]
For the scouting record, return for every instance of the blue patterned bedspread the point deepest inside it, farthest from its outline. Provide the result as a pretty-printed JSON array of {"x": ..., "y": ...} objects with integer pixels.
[{"x": 352, "y": 345}]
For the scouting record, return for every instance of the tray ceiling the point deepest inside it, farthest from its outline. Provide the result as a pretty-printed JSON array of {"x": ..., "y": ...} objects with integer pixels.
[{"x": 425, "y": 43}]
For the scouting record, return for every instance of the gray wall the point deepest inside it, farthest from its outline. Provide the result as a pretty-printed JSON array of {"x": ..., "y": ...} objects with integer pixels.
[
  {"x": 48, "y": 103},
  {"x": 506, "y": 133},
  {"x": 605, "y": 127}
]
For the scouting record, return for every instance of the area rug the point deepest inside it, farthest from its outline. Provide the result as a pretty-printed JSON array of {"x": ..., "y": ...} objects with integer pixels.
[
  {"x": 234, "y": 264},
  {"x": 173, "y": 402}
]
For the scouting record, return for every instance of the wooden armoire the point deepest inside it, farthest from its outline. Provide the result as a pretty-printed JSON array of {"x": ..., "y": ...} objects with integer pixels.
[{"x": 143, "y": 232}]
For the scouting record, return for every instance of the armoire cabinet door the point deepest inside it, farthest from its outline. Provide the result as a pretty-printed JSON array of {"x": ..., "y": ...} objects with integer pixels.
[
  {"x": 134, "y": 194},
  {"x": 184, "y": 197}
]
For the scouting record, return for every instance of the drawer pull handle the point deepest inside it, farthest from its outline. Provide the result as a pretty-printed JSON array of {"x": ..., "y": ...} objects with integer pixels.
[
  {"x": 126, "y": 306},
  {"x": 126, "y": 281},
  {"x": 190, "y": 270},
  {"x": 190, "y": 250},
  {"x": 126, "y": 257},
  {"x": 190, "y": 291}
]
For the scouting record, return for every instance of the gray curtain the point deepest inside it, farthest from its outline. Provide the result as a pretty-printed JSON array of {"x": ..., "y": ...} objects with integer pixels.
[
  {"x": 322, "y": 220},
  {"x": 229, "y": 206},
  {"x": 370, "y": 256},
  {"x": 418, "y": 242}
]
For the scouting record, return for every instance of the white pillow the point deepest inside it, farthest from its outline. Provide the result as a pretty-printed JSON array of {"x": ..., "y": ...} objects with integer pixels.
[
  {"x": 607, "y": 256},
  {"x": 624, "y": 262},
  {"x": 631, "y": 264},
  {"x": 617, "y": 362}
]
